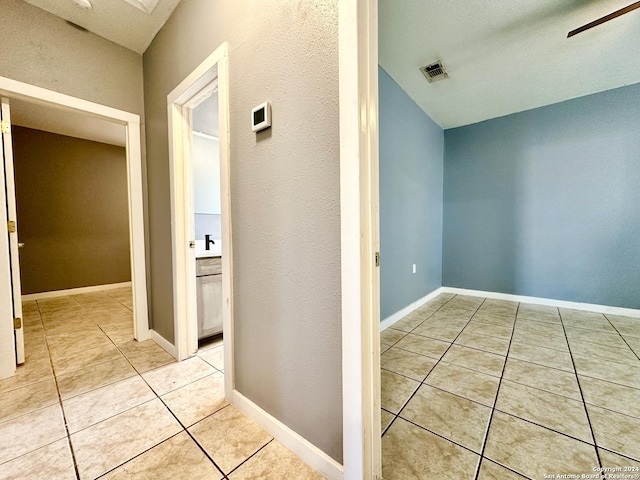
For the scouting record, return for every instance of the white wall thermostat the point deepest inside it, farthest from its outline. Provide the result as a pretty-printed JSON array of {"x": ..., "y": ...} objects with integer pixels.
[{"x": 261, "y": 117}]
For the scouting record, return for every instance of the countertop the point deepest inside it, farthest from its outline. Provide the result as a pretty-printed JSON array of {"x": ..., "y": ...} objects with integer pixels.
[{"x": 214, "y": 250}]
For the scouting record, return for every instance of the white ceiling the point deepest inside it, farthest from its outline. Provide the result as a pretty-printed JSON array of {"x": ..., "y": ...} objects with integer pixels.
[
  {"x": 115, "y": 20},
  {"x": 505, "y": 56},
  {"x": 205, "y": 116},
  {"x": 67, "y": 123}
]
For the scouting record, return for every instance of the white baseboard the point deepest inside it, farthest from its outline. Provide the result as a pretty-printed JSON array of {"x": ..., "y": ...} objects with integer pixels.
[
  {"x": 164, "y": 343},
  {"x": 391, "y": 319},
  {"x": 74, "y": 291},
  {"x": 309, "y": 453},
  {"x": 627, "y": 312}
]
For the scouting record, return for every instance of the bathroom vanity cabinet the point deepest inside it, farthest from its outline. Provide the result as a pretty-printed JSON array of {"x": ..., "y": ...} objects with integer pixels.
[{"x": 209, "y": 295}]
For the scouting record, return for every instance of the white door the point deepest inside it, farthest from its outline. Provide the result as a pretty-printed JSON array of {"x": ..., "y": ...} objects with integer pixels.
[{"x": 12, "y": 241}]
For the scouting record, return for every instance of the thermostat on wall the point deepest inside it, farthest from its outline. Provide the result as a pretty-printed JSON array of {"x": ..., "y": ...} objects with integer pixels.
[{"x": 261, "y": 117}]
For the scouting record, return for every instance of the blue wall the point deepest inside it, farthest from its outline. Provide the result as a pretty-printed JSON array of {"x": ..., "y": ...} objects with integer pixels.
[
  {"x": 411, "y": 169},
  {"x": 547, "y": 202}
]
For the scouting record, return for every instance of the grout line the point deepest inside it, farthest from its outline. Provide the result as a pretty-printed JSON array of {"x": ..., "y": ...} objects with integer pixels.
[
  {"x": 465, "y": 367},
  {"x": 439, "y": 360},
  {"x": 540, "y": 364},
  {"x": 411, "y": 396},
  {"x": 584, "y": 403},
  {"x": 184, "y": 429},
  {"x": 250, "y": 456},
  {"x": 480, "y": 349},
  {"x": 617, "y": 453},
  {"x": 519, "y": 319},
  {"x": 609, "y": 381},
  {"x": 520, "y": 475},
  {"x": 495, "y": 399},
  {"x": 456, "y": 395},
  {"x": 431, "y": 357},
  {"x": 542, "y": 389},
  {"x": 138, "y": 455},
  {"x": 622, "y": 336},
  {"x": 442, "y": 437},
  {"x": 547, "y": 427},
  {"x": 403, "y": 375},
  {"x": 530, "y": 341},
  {"x": 64, "y": 415},
  {"x": 112, "y": 416},
  {"x": 136, "y": 372}
]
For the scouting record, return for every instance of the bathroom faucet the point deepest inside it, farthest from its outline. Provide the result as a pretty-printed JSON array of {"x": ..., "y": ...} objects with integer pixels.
[{"x": 208, "y": 242}]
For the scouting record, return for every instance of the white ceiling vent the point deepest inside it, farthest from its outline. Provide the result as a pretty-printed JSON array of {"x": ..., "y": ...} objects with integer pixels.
[{"x": 434, "y": 72}]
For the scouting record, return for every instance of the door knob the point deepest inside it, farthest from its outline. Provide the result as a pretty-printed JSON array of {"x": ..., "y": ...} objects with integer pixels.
[{"x": 20, "y": 245}]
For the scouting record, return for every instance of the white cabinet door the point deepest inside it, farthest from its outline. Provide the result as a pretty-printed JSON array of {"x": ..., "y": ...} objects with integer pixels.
[{"x": 209, "y": 293}]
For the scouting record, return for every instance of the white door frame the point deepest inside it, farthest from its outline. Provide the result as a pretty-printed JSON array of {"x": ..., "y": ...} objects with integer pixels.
[
  {"x": 8, "y": 354},
  {"x": 13, "y": 237},
  {"x": 358, "y": 63},
  {"x": 30, "y": 93},
  {"x": 179, "y": 104}
]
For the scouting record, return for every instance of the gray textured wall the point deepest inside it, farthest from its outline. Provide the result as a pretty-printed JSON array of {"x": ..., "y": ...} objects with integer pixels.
[
  {"x": 73, "y": 215},
  {"x": 411, "y": 163},
  {"x": 285, "y": 198},
  {"x": 546, "y": 202},
  {"x": 41, "y": 49}
]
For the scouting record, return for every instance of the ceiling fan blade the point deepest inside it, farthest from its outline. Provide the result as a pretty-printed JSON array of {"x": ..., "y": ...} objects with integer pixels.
[{"x": 606, "y": 18}]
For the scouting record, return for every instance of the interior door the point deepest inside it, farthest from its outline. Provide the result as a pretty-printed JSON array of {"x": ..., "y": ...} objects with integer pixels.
[
  {"x": 10, "y": 202},
  {"x": 7, "y": 340}
]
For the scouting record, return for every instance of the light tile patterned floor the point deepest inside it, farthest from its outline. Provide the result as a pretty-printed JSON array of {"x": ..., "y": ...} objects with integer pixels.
[
  {"x": 90, "y": 402},
  {"x": 475, "y": 388}
]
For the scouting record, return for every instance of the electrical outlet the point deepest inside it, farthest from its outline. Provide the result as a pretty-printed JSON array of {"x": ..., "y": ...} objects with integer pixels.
[{"x": 414, "y": 268}]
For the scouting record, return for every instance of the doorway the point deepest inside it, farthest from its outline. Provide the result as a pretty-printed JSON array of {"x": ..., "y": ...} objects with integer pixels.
[
  {"x": 208, "y": 80},
  {"x": 131, "y": 122}
]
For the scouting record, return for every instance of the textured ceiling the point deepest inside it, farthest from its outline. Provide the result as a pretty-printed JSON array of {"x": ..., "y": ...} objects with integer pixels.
[
  {"x": 505, "y": 56},
  {"x": 115, "y": 20}
]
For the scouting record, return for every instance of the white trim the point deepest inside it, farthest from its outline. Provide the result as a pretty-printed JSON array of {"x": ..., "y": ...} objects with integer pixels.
[
  {"x": 74, "y": 291},
  {"x": 400, "y": 314},
  {"x": 309, "y": 453},
  {"x": 358, "y": 97},
  {"x": 590, "y": 307},
  {"x": 42, "y": 96},
  {"x": 196, "y": 83},
  {"x": 30, "y": 93},
  {"x": 166, "y": 345},
  {"x": 136, "y": 232},
  {"x": 225, "y": 205},
  {"x": 212, "y": 73}
]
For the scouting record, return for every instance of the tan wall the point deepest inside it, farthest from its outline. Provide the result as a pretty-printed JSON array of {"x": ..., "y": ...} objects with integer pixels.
[
  {"x": 285, "y": 193},
  {"x": 71, "y": 196}
]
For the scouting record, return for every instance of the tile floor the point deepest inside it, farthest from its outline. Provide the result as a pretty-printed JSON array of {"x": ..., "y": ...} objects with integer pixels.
[
  {"x": 474, "y": 388},
  {"x": 91, "y": 402}
]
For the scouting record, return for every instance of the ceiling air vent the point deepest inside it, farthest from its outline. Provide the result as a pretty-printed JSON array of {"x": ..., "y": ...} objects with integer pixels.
[{"x": 435, "y": 72}]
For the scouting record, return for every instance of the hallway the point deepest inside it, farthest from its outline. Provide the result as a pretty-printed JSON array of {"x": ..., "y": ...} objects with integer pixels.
[{"x": 91, "y": 402}]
